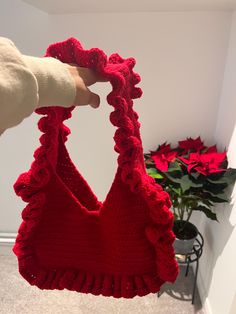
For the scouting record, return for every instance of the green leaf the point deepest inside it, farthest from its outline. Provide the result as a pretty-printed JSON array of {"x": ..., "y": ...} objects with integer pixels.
[
  {"x": 215, "y": 176},
  {"x": 174, "y": 166},
  {"x": 220, "y": 198},
  {"x": 207, "y": 212},
  {"x": 173, "y": 174},
  {"x": 222, "y": 180},
  {"x": 176, "y": 190},
  {"x": 205, "y": 202},
  {"x": 195, "y": 175},
  {"x": 153, "y": 173},
  {"x": 151, "y": 170},
  {"x": 215, "y": 188},
  {"x": 229, "y": 173},
  {"x": 191, "y": 197},
  {"x": 201, "y": 203},
  {"x": 172, "y": 179},
  {"x": 228, "y": 177},
  {"x": 186, "y": 183}
]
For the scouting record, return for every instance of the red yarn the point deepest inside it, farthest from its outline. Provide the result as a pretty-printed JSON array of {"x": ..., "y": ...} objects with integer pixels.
[{"x": 121, "y": 247}]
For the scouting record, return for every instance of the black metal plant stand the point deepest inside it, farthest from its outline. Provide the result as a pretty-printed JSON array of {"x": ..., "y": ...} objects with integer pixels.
[{"x": 191, "y": 257}]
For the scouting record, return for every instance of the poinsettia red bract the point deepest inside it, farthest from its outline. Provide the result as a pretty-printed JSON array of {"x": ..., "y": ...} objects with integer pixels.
[
  {"x": 191, "y": 144},
  {"x": 162, "y": 156},
  {"x": 205, "y": 164}
]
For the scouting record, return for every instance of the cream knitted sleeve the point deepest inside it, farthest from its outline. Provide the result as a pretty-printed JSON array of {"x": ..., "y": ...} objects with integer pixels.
[{"x": 29, "y": 82}]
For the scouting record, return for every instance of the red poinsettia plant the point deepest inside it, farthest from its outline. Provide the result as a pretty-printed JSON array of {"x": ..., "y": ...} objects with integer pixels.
[{"x": 194, "y": 175}]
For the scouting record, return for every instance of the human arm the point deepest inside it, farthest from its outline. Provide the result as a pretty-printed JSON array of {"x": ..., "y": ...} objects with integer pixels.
[{"x": 27, "y": 83}]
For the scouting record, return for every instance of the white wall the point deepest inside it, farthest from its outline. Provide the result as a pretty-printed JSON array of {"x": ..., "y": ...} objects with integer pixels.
[
  {"x": 218, "y": 261},
  {"x": 180, "y": 57},
  {"x": 27, "y": 27}
]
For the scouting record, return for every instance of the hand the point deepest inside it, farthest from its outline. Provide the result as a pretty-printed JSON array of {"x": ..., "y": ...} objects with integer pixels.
[{"x": 83, "y": 78}]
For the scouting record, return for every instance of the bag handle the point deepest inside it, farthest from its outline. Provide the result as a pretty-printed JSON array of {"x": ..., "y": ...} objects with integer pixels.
[{"x": 120, "y": 73}]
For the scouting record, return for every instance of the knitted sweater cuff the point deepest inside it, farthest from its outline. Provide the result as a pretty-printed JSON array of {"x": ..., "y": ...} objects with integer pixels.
[{"x": 56, "y": 85}]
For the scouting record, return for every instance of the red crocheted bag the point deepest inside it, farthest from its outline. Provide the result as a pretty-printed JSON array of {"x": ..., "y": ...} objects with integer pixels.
[{"x": 121, "y": 247}]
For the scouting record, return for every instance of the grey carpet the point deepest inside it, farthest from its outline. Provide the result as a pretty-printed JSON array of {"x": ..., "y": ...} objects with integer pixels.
[{"x": 18, "y": 297}]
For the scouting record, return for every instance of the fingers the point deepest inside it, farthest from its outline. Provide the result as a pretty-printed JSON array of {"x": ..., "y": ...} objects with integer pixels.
[
  {"x": 101, "y": 79},
  {"x": 89, "y": 76},
  {"x": 94, "y": 100},
  {"x": 85, "y": 97},
  {"x": 83, "y": 78}
]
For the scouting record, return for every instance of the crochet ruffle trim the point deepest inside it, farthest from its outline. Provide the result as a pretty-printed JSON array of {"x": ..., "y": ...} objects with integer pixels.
[
  {"x": 129, "y": 146},
  {"x": 98, "y": 284}
]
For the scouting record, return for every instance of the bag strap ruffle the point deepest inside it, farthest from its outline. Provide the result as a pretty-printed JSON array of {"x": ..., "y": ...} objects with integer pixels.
[{"x": 120, "y": 73}]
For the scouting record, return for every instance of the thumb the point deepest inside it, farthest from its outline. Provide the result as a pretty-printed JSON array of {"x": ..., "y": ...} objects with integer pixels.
[{"x": 94, "y": 100}]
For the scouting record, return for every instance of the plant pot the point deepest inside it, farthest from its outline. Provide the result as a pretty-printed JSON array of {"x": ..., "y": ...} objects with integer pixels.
[{"x": 185, "y": 233}]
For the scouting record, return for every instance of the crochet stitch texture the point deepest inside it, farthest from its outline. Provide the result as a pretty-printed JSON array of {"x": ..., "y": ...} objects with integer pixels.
[{"x": 121, "y": 247}]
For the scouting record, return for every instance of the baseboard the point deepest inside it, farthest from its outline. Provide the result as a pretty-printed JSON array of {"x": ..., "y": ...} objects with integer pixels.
[
  {"x": 206, "y": 306},
  {"x": 7, "y": 241}
]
